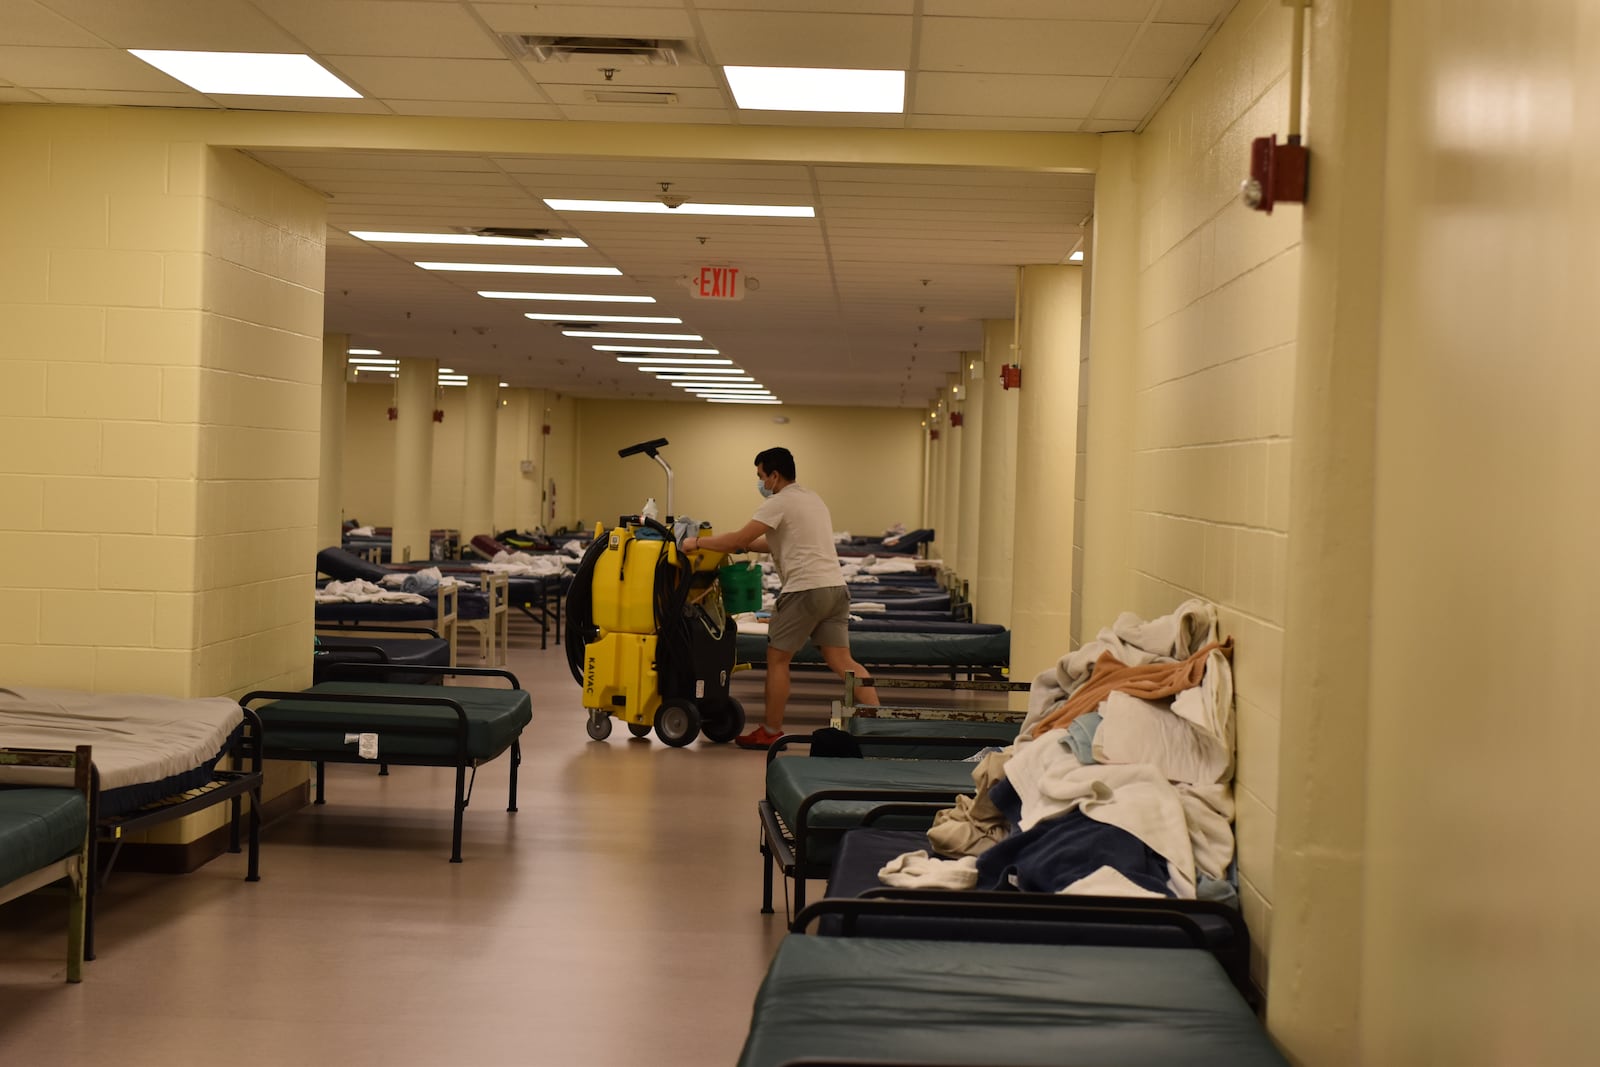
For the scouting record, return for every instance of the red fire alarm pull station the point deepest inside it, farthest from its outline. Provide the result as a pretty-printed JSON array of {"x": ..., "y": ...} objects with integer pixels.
[
  {"x": 955, "y": 418},
  {"x": 933, "y": 435},
  {"x": 1011, "y": 376},
  {"x": 1277, "y": 173}
]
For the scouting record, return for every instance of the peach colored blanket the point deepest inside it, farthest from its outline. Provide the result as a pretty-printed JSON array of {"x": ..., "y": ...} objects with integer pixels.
[{"x": 1149, "y": 682}]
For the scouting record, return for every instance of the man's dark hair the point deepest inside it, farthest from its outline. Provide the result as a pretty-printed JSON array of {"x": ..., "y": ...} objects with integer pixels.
[{"x": 777, "y": 461}]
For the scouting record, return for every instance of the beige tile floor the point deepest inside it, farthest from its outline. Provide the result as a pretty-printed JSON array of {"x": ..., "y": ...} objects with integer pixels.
[{"x": 614, "y": 920}]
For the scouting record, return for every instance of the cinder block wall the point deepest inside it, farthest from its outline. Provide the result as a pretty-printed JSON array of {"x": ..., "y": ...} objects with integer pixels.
[{"x": 1218, "y": 300}]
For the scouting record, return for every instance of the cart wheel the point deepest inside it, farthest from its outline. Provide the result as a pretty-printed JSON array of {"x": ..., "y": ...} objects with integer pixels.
[
  {"x": 723, "y": 721},
  {"x": 639, "y": 729},
  {"x": 599, "y": 725},
  {"x": 677, "y": 722}
]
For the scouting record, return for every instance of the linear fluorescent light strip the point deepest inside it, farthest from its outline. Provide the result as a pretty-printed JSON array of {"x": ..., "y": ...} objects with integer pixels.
[
  {"x": 730, "y": 400},
  {"x": 655, "y": 207},
  {"x": 647, "y": 348},
  {"x": 364, "y": 352},
  {"x": 718, "y": 384},
  {"x": 686, "y": 360},
  {"x": 699, "y": 379},
  {"x": 684, "y": 372},
  {"x": 634, "y": 336},
  {"x": 396, "y": 237},
  {"x": 522, "y": 268},
  {"x": 596, "y": 298},
  {"x": 247, "y": 73},
  {"x": 834, "y": 89},
  {"x": 551, "y": 316}
]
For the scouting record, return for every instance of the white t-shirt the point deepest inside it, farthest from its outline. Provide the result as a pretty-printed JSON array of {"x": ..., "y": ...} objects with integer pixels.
[{"x": 801, "y": 539}]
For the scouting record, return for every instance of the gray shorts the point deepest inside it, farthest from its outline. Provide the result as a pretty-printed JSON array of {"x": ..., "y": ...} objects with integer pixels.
[{"x": 820, "y": 614}]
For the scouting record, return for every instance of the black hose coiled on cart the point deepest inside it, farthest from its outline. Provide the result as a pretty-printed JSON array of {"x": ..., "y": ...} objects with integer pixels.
[
  {"x": 670, "y": 595},
  {"x": 581, "y": 629}
]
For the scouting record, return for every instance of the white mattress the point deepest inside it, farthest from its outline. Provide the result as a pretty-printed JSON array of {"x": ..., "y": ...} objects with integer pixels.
[{"x": 136, "y": 738}]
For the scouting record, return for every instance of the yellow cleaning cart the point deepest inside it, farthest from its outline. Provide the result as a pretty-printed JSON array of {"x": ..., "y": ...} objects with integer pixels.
[{"x": 650, "y": 639}]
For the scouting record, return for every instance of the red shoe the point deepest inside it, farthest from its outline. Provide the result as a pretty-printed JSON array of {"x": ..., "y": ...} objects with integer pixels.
[{"x": 760, "y": 737}]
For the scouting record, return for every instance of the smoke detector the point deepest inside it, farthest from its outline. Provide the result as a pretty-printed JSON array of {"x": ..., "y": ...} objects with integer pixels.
[{"x": 630, "y": 51}]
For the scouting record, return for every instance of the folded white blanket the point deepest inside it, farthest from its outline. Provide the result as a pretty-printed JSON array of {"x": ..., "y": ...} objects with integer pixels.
[
  {"x": 1141, "y": 731},
  {"x": 1107, "y": 882},
  {"x": 358, "y": 591},
  {"x": 918, "y": 870},
  {"x": 522, "y": 565}
]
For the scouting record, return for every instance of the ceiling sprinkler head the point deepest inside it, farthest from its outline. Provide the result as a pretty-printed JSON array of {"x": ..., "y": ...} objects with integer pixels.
[{"x": 671, "y": 199}]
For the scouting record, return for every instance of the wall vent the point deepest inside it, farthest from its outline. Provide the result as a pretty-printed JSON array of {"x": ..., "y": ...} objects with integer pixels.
[
  {"x": 631, "y": 51},
  {"x": 631, "y": 96}
]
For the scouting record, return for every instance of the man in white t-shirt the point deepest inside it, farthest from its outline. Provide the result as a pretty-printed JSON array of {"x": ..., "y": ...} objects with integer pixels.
[{"x": 794, "y": 525}]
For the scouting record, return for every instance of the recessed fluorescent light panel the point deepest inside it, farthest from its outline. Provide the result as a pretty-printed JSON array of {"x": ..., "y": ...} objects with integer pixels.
[
  {"x": 730, "y": 400},
  {"x": 684, "y": 360},
  {"x": 1076, "y": 257},
  {"x": 634, "y": 336},
  {"x": 400, "y": 238},
  {"x": 248, "y": 73},
  {"x": 655, "y": 207},
  {"x": 648, "y": 348},
  {"x": 878, "y": 92},
  {"x": 687, "y": 372},
  {"x": 692, "y": 380},
  {"x": 593, "y": 298},
  {"x": 521, "y": 268},
  {"x": 365, "y": 351},
  {"x": 553, "y": 316}
]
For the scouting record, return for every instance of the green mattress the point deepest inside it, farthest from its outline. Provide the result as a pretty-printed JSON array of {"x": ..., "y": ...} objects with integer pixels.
[
  {"x": 990, "y": 734},
  {"x": 790, "y": 780},
  {"x": 317, "y": 729},
  {"x": 39, "y": 827},
  {"x": 931, "y": 1003},
  {"x": 901, "y": 650}
]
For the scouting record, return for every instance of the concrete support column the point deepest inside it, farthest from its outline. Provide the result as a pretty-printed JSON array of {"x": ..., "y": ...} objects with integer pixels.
[
  {"x": 478, "y": 456},
  {"x": 1315, "y": 966},
  {"x": 938, "y": 433},
  {"x": 997, "y": 500},
  {"x": 330, "y": 472},
  {"x": 1049, "y": 340},
  {"x": 1106, "y": 580},
  {"x": 413, "y": 459},
  {"x": 949, "y": 527},
  {"x": 973, "y": 386}
]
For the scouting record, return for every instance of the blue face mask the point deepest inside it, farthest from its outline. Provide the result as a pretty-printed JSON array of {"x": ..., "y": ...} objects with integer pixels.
[{"x": 762, "y": 486}]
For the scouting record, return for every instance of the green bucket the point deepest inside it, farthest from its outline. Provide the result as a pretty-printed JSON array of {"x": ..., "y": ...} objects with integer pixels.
[{"x": 741, "y": 587}]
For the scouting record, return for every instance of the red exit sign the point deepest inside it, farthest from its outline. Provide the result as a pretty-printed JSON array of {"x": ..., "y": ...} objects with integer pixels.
[{"x": 717, "y": 283}]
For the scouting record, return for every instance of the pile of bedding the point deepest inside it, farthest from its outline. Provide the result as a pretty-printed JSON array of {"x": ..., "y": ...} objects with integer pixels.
[
  {"x": 359, "y": 591},
  {"x": 523, "y": 565},
  {"x": 1120, "y": 781}
]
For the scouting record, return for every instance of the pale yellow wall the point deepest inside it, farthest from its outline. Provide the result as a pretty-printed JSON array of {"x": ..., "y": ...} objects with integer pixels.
[
  {"x": 865, "y": 462},
  {"x": 161, "y": 304},
  {"x": 1217, "y": 295},
  {"x": 369, "y": 455},
  {"x": 1479, "y": 929}
]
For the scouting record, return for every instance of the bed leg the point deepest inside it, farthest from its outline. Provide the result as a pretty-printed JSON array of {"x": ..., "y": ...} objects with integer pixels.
[
  {"x": 253, "y": 862},
  {"x": 383, "y": 770},
  {"x": 234, "y": 811},
  {"x": 322, "y": 775},
  {"x": 77, "y": 922},
  {"x": 90, "y": 884},
  {"x": 767, "y": 863},
  {"x": 461, "y": 807},
  {"x": 516, "y": 761}
]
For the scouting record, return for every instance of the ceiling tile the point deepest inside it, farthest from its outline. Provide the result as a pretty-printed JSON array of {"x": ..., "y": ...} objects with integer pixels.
[
  {"x": 811, "y": 118},
  {"x": 30, "y": 23},
  {"x": 570, "y": 95},
  {"x": 1019, "y": 46},
  {"x": 877, "y": 42},
  {"x": 635, "y": 78},
  {"x": 1109, "y": 126},
  {"x": 437, "y": 79},
  {"x": 300, "y": 103},
  {"x": 385, "y": 28},
  {"x": 1200, "y": 12},
  {"x": 1082, "y": 10},
  {"x": 849, "y": 7},
  {"x": 646, "y": 113},
  {"x": 1131, "y": 98},
  {"x": 1164, "y": 50},
  {"x": 82, "y": 68},
  {"x": 475, "y": 109},
  {"x": 589, "y": 19},
  {"x": 220, "y": 25},
  {"x": 114, "y": 98},
  {"x": 1026, "y": 95}
]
